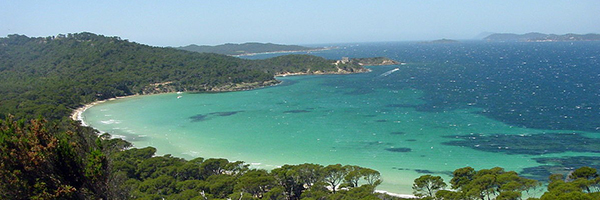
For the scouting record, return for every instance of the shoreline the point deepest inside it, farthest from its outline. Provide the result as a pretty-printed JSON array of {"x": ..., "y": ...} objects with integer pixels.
[
  {"x": 76, "y": 115},
  {"x": 293, "y": 51},
  {"x": 407, "y": 196}
]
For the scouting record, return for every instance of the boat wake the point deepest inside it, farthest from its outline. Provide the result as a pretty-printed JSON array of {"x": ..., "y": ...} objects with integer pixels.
[{"x": 389, "y": 72}]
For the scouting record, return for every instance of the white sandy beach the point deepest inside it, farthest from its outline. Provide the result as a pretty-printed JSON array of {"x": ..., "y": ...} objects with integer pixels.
[{"x": 77, "y": 113}]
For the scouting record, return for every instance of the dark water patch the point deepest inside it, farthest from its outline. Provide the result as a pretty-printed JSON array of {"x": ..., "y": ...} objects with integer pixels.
[
  {"x": 205, "y": 117},
  {"x": 423, "y": 171},
  {"x": 411, "y": 140},
  {"x": 398, "y": 149},
  {"x": 535, "y": 144},
  {"x": 370, "y": 115},
  {"x": 376, "y": 143},
  {"x": 559, "y": 165},
  {"x": 225, "y": 114},
  {"x": 199, "y": 118},
  {"x": 381, "y": 120},
  {"x": 400, "y": 106},
  {"x": 398, "y": 133},
  {"x": 296, "y": 111}
]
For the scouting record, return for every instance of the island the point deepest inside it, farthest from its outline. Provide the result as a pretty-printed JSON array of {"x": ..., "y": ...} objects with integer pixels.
[
  {"x": 250, "y": 48},
  {"x": 441, "y": 41},
  {"x": 540, "y": 37}
]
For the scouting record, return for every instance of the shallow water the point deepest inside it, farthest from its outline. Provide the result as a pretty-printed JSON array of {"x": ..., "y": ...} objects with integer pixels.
[{"x": 528, "y": 107}]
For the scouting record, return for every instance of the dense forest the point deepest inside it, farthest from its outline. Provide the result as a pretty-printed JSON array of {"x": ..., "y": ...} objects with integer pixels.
[
  {"x": 53, "y": 75},
  {"x": 46, "y": 155},
  {"x": 245, "y": 48}
]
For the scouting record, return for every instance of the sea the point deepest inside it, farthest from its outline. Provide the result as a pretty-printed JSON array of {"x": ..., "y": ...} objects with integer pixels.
[{"x": 529, "y": 107}]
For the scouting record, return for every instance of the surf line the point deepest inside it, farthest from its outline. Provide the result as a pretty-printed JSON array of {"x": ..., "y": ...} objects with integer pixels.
[{"x": 389, "y": 72}]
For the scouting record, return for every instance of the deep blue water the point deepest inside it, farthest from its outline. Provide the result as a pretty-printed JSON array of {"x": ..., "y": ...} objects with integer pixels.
[
  {"x": 545, "y": 86},
  {"x": 554, "y": 85}
]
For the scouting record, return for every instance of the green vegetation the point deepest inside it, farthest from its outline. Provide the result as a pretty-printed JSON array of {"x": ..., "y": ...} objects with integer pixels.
[
  {"x": 53, "y": 157},
  {"x": 51, "y": 76},
  {"x": 146, "y": 176},
  {"x": 495, "y": 183},
  {"x": 46, "y": 78},
  {"x": 43, "y": 160},
  {"x": 245, "y": 48}
]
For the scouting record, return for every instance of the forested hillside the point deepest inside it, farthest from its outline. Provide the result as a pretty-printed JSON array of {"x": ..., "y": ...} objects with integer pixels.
[{"x": 51, "y": 76}]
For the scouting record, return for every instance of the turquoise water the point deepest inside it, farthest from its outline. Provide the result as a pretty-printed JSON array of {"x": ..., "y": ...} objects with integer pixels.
[{"x": 435, "y": 114}]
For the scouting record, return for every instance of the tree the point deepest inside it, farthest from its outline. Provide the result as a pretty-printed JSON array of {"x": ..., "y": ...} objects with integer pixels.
[
  {"x": 585, "y": 178},
  {"x": 354, "y": 175},
  {"x": 578, "y": 185},
  {"x": 428, "y": 185},
  {"x": 449, "y": 195},
  {"x": 255, "y": 182},
  {"x": 371, "y": 176},
  {"x": 334, "y": 175},
  {"x": 38, "y": 160},
  {"x": 309, "y": 173},
  {"x": 461, "y": 177},
  {"x": 287, "y": 177}
]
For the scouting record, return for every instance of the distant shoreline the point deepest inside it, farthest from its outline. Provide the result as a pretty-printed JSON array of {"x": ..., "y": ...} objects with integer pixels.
[{"x": 274, "y": 52}]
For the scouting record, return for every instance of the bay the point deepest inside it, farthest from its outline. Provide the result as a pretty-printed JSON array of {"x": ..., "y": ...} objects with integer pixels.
[{"x": 529, "y": 107}]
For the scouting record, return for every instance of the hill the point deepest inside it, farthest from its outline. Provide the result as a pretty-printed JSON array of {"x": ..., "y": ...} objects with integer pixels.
[
  {"x": 50, "y": 76},
  {"x": 47, "y": 77},
  {"x": 245, "y": 48},
  {"x": 540, "y": 37}
]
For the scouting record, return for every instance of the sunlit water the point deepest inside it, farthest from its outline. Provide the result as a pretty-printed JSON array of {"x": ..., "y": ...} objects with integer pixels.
[{"x": 529, "y": 107}]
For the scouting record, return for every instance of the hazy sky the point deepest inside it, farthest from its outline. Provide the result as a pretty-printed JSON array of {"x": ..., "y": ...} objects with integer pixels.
[{"x": 178, "y": 23}]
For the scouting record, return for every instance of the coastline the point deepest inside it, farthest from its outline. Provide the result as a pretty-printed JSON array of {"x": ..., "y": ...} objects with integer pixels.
[
  {"x": 273, "y": 52},
  {"x": 76, "y": 115},
  {"x": 406, "y": 196}
]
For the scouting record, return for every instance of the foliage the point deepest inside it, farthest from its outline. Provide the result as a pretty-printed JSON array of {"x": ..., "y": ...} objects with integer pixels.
[
  {"x": 40, "y": 161},
  {"x": 488, "y": 184},
  {"x": 150, "y": 176},
  {"x": 50, "y": 76},
  {"x": 428, "y": 185}
]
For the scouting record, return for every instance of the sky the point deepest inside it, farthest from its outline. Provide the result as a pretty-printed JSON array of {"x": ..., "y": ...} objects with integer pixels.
[{"x": 212, "y": 22}]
